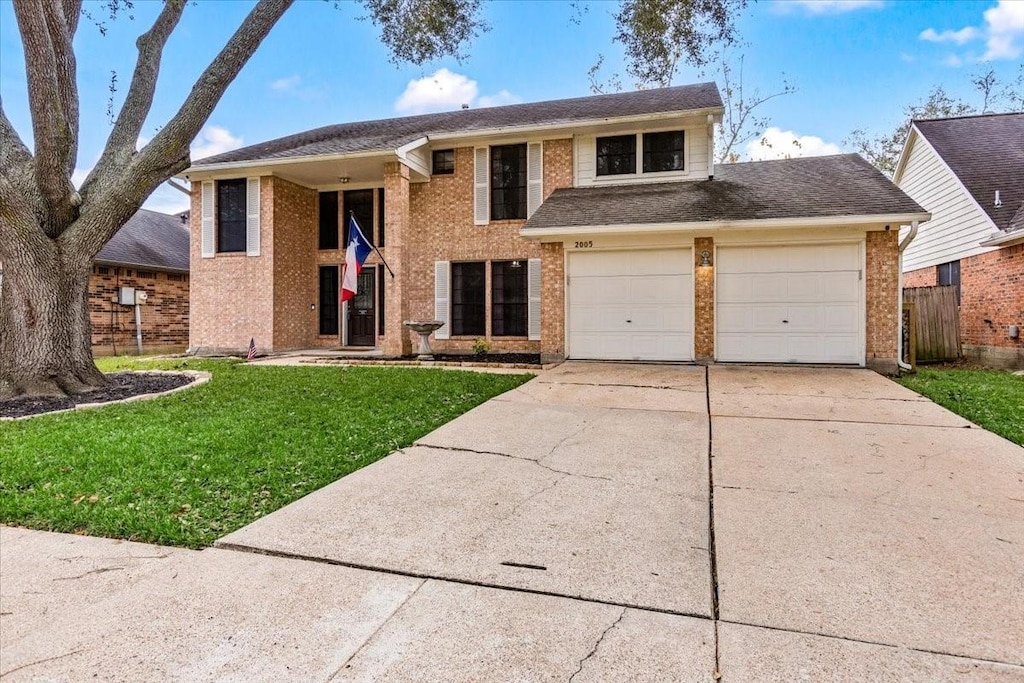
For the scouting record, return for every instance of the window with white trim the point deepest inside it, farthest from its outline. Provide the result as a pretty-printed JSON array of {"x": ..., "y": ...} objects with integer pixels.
[{"x": 231, "y": 215}]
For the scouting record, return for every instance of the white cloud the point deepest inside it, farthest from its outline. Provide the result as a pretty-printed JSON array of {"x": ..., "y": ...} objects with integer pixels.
[
  {"x": 213, "y": 140},
  {"x": 439, "y": 91},
  {"x": 286, "y": 85},
  {"x": 1005, "y": 26},
  {"x": 953, "y": 61},
  {"x": 781, "y": 144},
  {"x": 1002, "y": 31},
  {"x": 445, "y": 90},
  {"x": 828, "y": 6},
  {"x": 498, "y": 99},
  {"x": 964, "y": 35}
]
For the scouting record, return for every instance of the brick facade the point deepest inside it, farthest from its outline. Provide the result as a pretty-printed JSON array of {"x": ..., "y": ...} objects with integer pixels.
[
  {"x": 704, "y": 301},
  {"x": 427, "y": 222},
  {"x": 991, "y": 300},
  {"x": 164, "y": 315},
  {"x": 882, "y": 286}
]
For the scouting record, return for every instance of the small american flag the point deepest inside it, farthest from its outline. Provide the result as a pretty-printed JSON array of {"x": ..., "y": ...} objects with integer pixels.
[{"x": 252, "y": 349}]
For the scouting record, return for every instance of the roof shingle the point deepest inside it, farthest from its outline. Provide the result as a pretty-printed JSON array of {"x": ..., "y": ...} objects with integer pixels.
[
  {"x": 151, "y": 239},
  {"x": 811, "y": 187},
  {"x": 987, "y": 154},
  {"x": 389, "y": 134}
]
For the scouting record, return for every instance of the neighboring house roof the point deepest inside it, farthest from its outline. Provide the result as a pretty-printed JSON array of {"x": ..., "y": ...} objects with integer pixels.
[
  {"x": 810, "y": 187},
  {"x": 151, "y": 240},
  {"x": 390, "y": 134},
  {"x": 987, "y": 154}
]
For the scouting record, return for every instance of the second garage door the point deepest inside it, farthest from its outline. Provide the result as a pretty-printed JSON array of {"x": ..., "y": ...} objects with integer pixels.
[
  {"x": 631, "y": 305},
  {"x": 790, "y": 304}
]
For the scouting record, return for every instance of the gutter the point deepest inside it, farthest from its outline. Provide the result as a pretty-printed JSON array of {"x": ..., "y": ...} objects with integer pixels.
[
  {"x": 1004, "y": 239},
  {"x": 899, "y": 297}
]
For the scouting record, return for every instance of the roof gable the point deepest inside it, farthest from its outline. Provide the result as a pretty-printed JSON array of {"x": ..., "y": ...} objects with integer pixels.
[
  {"x": 389, "y": 134},
  {"x": 986, "y": 153}
]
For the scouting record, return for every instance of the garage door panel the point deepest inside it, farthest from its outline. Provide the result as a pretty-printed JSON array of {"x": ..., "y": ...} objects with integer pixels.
[
  {"x": 789, "y": 304},
  {"x": 631, "y": 305}
]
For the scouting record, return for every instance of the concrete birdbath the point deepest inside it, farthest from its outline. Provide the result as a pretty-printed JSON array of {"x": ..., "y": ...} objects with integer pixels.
[{"x": 424, "y": 329}]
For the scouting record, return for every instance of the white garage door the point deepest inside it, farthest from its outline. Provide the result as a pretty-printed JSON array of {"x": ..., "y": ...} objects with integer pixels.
[
  {"x": 790, "y": 304},
  {"x": 631, "y": 305}
]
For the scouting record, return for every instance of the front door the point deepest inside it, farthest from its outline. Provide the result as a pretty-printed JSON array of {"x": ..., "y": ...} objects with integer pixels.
[{"x": 361, "y": 330}]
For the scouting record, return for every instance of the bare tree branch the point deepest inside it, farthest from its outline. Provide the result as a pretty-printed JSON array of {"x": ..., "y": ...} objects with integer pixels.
[
  {"x": 53, "y": 103},
  {"x": 120, "y": 146},
  {"x": 740, "y": 123}
]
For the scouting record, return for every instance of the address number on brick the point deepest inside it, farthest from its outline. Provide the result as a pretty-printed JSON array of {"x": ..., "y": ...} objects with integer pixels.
[{"x": 585, "y": 245}]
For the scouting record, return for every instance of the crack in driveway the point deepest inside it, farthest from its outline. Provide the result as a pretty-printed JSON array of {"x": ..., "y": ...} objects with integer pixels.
[{"x": 597, "y": 645}]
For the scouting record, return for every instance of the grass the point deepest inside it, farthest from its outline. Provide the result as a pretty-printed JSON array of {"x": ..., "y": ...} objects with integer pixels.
[
  {"x": 993, "y": 399},
  {"x": 188, "y": 468}
]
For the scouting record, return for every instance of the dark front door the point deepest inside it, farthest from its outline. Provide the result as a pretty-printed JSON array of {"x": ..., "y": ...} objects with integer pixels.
[{"x": 361, "y": 330}]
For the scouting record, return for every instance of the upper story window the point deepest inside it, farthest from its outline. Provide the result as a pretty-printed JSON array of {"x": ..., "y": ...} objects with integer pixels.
[
  {"x": 443, "y": 162},
  {"x": 231, "y": 215},
  {"x": 508, "y": 182},
  {"x": 360, "y": 204},
  {"x": 663, "y": 151},
  {"x": 329, "y": 220},
  {"x": 616, "y": 155}
]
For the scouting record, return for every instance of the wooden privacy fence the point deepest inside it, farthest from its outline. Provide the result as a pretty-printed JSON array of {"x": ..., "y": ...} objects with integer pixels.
[{"x": 937, "y": 318}]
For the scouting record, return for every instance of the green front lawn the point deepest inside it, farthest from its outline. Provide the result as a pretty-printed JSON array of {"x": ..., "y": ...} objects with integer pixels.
[
  {"x": 993, "y": 399},
  {"x": 188, "y": 468}
]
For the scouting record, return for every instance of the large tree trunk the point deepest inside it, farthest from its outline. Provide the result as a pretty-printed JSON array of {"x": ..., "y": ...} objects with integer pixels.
[{"x": 45, "y": 333}]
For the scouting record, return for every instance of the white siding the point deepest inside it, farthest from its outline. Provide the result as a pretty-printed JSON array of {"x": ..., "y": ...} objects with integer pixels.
[
  {"x": 696, "y": 159},
  {"x": 957, "y": 224}
]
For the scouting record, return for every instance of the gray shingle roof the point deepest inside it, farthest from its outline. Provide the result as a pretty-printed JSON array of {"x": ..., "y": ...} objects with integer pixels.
[
  {"x": 388, "y": 134},
  {"x": 987, "y": 154},
  {"x": 812, "y": 187},
  {"x": 151, "y": 239}
]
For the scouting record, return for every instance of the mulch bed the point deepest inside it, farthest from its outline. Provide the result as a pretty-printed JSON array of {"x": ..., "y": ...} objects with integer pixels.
[
  {"x": 515, "y": 358},
  {"x": 122, "y": 385}
]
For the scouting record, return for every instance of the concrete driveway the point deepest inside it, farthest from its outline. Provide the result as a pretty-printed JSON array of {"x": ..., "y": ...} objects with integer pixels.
[{"x": 604, "y": 522}]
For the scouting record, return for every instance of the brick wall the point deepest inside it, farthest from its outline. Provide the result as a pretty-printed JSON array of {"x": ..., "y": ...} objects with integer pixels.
[
  {"x": 992, "y": 288},
  {"x": 232, "y": 295},
  {"x": 704, "y": 301},
  {"x": 882, "y": 280},
  {"x": 294, "y": 230},
  {"x": 922, "y": 277},
  {"x": 165, "y": 315}
]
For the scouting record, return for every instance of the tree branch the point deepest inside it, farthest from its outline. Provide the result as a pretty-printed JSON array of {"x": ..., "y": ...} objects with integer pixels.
[
  {"x": 72, "y": 13},
  {"x": 17, "y": 189},
  {"x": 117, "y": 193},
  {"x": 120, "y": 147},
  {"x": 53, "y": 103}
]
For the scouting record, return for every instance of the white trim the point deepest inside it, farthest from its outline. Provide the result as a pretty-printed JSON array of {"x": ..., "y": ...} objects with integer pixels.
[
  {"x": 403, "y": 154},
  {"x": 534, "y": 176},
  {"x": 706, "y": 226},
  {"x": 257, "y": 163},
  {"x": 1004, "y": 239},
  {"x": 534, "y": 298},
  {"x": 443, "y": 298},
  {"x": 481, "y": 185},
  {"x": 252, "y": 216},
  {"x": 208, "y": 218}
]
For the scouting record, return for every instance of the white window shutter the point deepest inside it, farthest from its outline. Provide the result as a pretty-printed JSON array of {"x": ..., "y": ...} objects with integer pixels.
[
  {"x": 252, "y": 217},
  {"x": 534, "y": 176},
  {"x": 533, "y": 287},
  {"x": 207, "y": 211},
  {"x": 442, "y": 276},
  {"x": 481, "y": 197}
]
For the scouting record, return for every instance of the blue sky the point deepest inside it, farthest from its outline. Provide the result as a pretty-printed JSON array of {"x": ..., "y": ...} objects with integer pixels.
[{"x": 855, "y": 64}]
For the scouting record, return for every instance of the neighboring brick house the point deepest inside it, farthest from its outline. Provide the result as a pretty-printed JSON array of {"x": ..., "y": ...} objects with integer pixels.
[
  {"x": 969, "y": 173},
  {"x": 150, "y": 254},
  {"x": 592, "y": 228}
]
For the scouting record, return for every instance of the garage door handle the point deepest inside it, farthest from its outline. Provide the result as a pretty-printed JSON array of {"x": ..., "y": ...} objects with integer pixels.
[
  {"x": 785, "y": 321},
  {"x": 629, "y": 321}
]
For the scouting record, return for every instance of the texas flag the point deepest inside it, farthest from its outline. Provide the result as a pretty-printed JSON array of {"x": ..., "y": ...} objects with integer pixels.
[{"x": 355, "y": 254}]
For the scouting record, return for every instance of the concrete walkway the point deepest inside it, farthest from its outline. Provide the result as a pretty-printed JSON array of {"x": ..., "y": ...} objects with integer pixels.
[{"x": 604, "y": 522}]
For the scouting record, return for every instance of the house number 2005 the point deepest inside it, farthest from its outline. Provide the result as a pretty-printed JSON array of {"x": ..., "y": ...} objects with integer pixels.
[{"x": 585, "y": 245}]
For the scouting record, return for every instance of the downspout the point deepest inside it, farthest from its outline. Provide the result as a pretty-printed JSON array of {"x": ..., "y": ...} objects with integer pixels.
[{"x": 899, "y": 295}]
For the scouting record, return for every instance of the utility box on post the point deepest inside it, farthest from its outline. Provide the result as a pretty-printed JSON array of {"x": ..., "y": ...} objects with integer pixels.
[{"x": 126, "y": 296}]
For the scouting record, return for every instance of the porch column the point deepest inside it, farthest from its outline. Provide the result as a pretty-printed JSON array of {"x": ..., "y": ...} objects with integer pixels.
[
  {"x": 397, "y": 341},
  {"x": 704, "y": 300}
]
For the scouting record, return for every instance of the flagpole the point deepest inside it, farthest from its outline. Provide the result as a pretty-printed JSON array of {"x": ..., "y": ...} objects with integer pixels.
[{"x": 352, "y": 216}]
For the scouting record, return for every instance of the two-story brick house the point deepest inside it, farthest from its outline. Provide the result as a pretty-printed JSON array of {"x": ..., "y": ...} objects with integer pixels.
[{"x": 595, "y": 227}]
